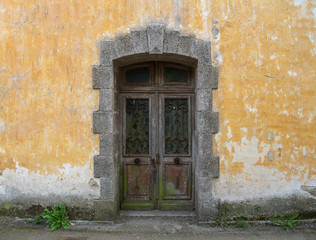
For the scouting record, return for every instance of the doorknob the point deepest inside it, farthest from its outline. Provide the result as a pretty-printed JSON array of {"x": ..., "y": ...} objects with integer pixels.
[
  {"x": 177, "y": 160},
  {"x": 137, "y": 160}
]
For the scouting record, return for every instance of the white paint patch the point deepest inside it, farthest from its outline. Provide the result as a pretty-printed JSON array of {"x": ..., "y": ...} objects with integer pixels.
[
  {"x": 277, "y": 146},
  {"x": 258, "y": 63},
  {"x": 229, "y": 133},
  {"x": 310, "y": 117},
  {"x": 220, "y": 58},
  {"x": 285, "y": 113},
  {"x": 243, "y": 129},
  {"x": 272, "y": 57},
  {"x": 292, "y": 73},
  {"x": 108, "y": 35},
  {"x": 304, "y": 151},
  {"x": 277, "y": 138},
  {"x": 205, "y": 14},
  {"x": 2, "y": 126},
  {"x": 255, "y": 181},
  {"x": 298, "y": 2},
  {"x": 274, "y": 38},
  {"x": 252, "y": 109},
  {"x": 2, "y": 151},
  {"x": 21, "y": 171},
  {"x": 311, "y": 37},
  {"x": 73, "y": 181}
]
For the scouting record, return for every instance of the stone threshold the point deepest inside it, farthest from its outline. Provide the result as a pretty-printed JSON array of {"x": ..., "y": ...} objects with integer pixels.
[{"x": 156, "y": 213}]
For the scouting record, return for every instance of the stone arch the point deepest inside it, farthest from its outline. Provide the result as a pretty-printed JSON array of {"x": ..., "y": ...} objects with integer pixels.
[{"x": 156, "y": 41}]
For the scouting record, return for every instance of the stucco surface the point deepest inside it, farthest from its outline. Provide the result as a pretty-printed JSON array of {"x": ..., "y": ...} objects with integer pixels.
[{"x": 265, "y": 51}]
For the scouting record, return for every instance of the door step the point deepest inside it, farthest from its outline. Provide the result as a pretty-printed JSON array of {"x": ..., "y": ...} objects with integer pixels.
[{"x": 157, "y": 213}]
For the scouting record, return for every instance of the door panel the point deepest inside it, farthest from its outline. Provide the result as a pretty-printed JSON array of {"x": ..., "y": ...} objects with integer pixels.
[
  {"x": 138, "y": 186},
  {"x": 175, "y": 175},
  {"x": 177, "y": 180}
]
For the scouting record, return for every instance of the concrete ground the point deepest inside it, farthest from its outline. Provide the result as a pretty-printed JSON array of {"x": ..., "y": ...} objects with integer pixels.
[{"x": 150, "y": 228}]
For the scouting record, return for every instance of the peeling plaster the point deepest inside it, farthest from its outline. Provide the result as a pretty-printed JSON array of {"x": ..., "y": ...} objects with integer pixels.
[
  {"x": 72, "y": 181},
  {"x": 311, "y": 37},
  {"x": 2, "y": 151},
  {"x": 257, "y": 180},
  {"x": 298, "y": 2},
  {"x": 292, "y": 73}
]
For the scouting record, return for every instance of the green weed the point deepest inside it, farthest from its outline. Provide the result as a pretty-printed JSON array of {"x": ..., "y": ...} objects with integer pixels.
[
  {"x": 222, "y": 218},
  {"x": 257, "y": 207},
  {"x": 241, "y": 224},
  {"x": 56, "y": 218},
  {"x": 287, "y": 222},
  {"x": 38, "y": 219}
]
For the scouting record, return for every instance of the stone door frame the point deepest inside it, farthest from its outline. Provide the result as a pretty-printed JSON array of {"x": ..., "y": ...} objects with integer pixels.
[{"x": 157, "y": 43}]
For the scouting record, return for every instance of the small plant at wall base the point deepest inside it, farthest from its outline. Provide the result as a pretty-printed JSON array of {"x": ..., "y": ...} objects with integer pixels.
[
  {"x": 257, "y": 207},
  {"x": 241, "y": 224},
  {"x": 222, "y": 218},
  {"x": 287, "y": 222},
  {"x": 56, "y": 218},
  {"x": 38, "y": 219}
]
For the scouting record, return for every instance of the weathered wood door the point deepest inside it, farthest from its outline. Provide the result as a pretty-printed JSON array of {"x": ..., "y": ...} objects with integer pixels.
[{"x": 157, "y": 142}]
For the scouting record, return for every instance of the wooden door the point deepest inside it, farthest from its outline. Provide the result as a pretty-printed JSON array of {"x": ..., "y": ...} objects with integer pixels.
[
  {"x": 175, "y": 149},
  {"x": 157, "y": 149}
]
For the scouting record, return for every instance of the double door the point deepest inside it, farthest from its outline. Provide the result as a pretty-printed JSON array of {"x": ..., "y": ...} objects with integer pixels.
[{"x": 156, "y": 165}]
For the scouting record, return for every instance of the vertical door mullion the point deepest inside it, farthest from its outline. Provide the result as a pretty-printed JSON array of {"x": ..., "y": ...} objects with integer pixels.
[
  {"x": 154, "y": 123},
  {"x": 161, "y": 152}
]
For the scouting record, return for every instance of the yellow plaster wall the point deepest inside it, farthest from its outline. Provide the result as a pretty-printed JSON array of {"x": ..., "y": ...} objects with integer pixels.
[
  {"x": 267, "y": 85},
  {"x": 265, "y": 51}
]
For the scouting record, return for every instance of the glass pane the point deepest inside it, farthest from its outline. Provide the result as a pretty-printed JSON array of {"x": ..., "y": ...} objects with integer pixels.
[
  {"x": 137, "y": 75},
  {"x": 176, "y": 126},
  {"x": 175, "y": 75},
  {"x": 137, "y": 126}
]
